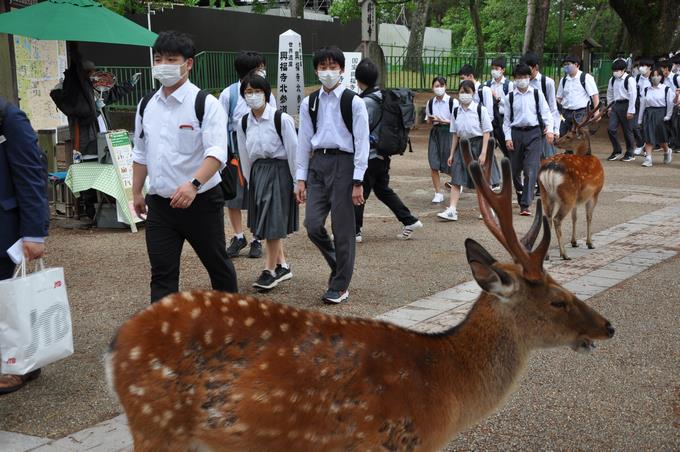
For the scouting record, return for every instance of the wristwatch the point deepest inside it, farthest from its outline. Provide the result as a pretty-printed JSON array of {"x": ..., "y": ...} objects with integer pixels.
[
  {"x": 196, "y": 183},
  {"x": 357, "y": 182}
]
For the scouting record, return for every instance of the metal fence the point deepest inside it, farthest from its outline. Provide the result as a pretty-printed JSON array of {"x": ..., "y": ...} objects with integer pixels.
[{"x": 214, "y": 71}]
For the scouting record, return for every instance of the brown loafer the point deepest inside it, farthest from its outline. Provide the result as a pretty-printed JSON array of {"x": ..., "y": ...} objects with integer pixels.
[{"x": 11, "y": 383}]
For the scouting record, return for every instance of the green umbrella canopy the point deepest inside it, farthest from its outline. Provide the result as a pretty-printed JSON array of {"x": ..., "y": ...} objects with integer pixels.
[{"x": 74, "y": 20}]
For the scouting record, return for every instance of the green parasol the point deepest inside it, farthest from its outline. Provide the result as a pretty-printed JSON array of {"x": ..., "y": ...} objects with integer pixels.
[{"x": 75, "y": 20}]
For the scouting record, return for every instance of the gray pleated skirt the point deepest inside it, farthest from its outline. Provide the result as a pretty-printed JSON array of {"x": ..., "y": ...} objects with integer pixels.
[
  {"x": 654, "y": 130},
  {"x": 460, "y": 175},
  {"x": 439, "y": 148},
  {"x": 272, "y": 210}
]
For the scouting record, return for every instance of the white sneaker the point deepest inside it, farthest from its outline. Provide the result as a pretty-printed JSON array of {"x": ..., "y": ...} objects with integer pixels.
[
  {"x": 668, "y": 157},
  {"x": 408, "y": 230},
  {"x": 449, "y": 214},
  {"x": 638, "y": 151},
  {"x": 358, "y": 238},
  {"x": 648, "y": 161},
  {"x": 438, "y": 197}
]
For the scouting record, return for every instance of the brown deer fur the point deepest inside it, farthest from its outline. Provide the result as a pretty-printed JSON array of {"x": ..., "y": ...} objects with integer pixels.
[{"x": 215, "y": 371}]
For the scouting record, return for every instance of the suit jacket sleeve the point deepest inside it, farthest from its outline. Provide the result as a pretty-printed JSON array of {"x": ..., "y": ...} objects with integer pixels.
[{"x": 27, "y": 171}]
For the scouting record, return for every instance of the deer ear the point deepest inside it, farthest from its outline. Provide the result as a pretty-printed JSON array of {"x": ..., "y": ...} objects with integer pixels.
[{"x": 490, "y": 278}]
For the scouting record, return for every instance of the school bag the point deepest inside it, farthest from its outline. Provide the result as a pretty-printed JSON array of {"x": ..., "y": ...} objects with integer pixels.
[
  {"x": 538, "y": 110},
  {"x": 431, "y": 102},
  {"x": 665, "y": 95},
  {"x": 277, "y": 123},
  {"x": 479, "y": 114},
  {"x": 582, "y": 79},
  {"x": 397, "y": 117},
  {"x": 506, "y": 86},
  {"x": 345, "y": 109},
  {"x": 228, "y": 174},
  {"x": 625, "y": 82}
]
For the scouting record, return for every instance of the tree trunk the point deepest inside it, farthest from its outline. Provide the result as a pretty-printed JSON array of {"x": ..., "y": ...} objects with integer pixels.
[
  {"x": 414, "y": 51},
  {"x": 476, "y": 22},
  {"x": 297, "y": 8},
  {"x": 596, "y": 19},
  {"x": 529, "y": 26},
  {"x": 537, "y": 41},
  {"x": 560, "y": 27},
  {"x": 641, "y": 16}
]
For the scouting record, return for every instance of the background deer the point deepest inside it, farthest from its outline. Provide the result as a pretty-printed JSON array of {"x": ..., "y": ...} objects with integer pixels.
[
  {"x": 218, "y": 371},
  {"x": 568, "y": 180}
]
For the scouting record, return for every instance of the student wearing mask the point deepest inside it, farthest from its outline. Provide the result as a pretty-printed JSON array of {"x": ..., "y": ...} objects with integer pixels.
[
  {"x": 470, "y": 122},
  {"x": 622, "y": 96},
  {"x": 182, "y": 157},
  {"x": 675, "y": 118},
  {"x": 527, "y": 120},
  {"x": 547, "y": 86},
  {"x": 656, "y": 107},
  {"x": 642, "y": 82},
  {"x": 500, "y": 87},
  {"x": 332, "y": 157},
  {"x": 438, "y": 113},
  {"x": 267, "y": 144},
  {"x": 672, "y": 80},
  {"x": 235, "y": 107}
]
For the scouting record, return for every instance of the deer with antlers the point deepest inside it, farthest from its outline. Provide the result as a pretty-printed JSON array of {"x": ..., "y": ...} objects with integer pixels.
[
  {"x": 568, "y": 180},
  {"x": 217, "y": 371}
]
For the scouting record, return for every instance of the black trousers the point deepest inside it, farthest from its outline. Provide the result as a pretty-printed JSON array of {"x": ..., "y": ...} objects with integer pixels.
[
  {"x": 202, "y": 225},
  {"x": 617, "y": 116},
  {"x": 377, "y": 179},
  {"x": 6, "y": 268},
  {"x": 499, "y": 135},
  {"x": 526, "y": 160}
]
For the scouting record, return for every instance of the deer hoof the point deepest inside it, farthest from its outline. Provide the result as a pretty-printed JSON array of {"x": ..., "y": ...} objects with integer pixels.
[
  {"x": 574, "y": 245},
  {"x": 590, "y": 246},
  {"x": 565, "y": 257},
  {"x": 547, "y": 257}
]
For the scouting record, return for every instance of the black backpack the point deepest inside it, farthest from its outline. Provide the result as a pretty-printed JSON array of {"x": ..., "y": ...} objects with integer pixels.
[
  {"x": 625, "y": 82},
  {"x": 511, "y": 98},
  {"x": 345, "y": 108},
  {"x": 479, "y": 115},
  {"x": 277, "y": 123},
  {"x": 506, "y": 86},
  {"x": 665, "y": 94},
  {"x": 429, "y": 106},
  {"x": 397, "y": 117},
  {"x": 228, "y": 174}
]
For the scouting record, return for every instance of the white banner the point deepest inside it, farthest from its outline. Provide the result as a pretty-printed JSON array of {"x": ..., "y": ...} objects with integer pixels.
[
  {"x": 121, "y": 156},
  {"x": 348, "y": 78},
  {"x": 291, "y": 82}
]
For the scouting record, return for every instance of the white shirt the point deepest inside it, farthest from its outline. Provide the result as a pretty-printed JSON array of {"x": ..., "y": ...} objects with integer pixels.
[
  {"x": 241, "y": 106},
  {"x": 619, "y": 91},
  {"x": 441, "y": 107},
  {"x": 487, "y": 100},
  {"x": 174, "y": 147},
  {"x": 524, "y": 105},
  {"x": 669, "y": 81},
  {"x": 262, "y": 142},
  {"x": 497, "y": 89},
  {"x": 573, "y": 96},
  {"x": 466, "y": 123},
  {"x": 549, "y": 97},
  {"x": 656, "y": 97},
  {"x": 331, "y": 132}
]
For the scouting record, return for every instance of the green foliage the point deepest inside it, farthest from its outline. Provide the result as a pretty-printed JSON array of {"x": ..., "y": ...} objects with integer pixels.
[
  {"x": 124, "y": 6},
  {"x": 190, "y": 2},
  {"x": 349, "y": 10}
]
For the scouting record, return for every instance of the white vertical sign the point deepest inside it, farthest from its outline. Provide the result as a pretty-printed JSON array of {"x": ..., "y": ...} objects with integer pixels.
[
  {"x": 349, "y": 79},
  {"x": 291, "y": 82}
]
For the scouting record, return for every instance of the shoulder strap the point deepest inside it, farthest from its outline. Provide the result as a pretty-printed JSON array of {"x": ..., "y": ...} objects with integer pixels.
[
  {"x": 611, "y": 82},
  {"x": 646, "y": 88},
  {"x": 625, "y": 82},
  {"x": 488, "y": 83},
  {"x": 429, "y": 105},
  {"x": 233, "y": 99},
  {"x": 480, "y": 93},
  {"x": 314, "y": 107},
  {"x": 583, "y": 80},
  {"x": 346, "y": 100},
  {"x": 450, "y": 104},
  {"x": 564, "y": 81},
  {"x": 665, "y": 95},
  {"x": 142, "y": 107},
  {"x": 244, "y": 122},
  {"x": 544, "y": 86},
  {"x": 506, "y": 86},
  {"x": 538, "y": 111},
  {"x": 675, "y": 81},
  {"x": 3, "y": 106},
  {"x": 199, "y": 106},
  {"x": 277, "y": 124},
  {"x": 455, "y": 113},
  {"x": 511, "y": 98},
  {"x": 479, "y": 115}
]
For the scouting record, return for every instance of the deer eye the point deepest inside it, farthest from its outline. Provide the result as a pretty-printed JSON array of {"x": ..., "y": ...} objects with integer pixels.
[{"x": 558, "y": 304}]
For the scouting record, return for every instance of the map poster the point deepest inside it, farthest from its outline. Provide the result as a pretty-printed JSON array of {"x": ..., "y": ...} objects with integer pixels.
[
  {"x": 348, "y": 77},
  {"x": 40, "y": 65},
  {"x": 121, "y": 156}
]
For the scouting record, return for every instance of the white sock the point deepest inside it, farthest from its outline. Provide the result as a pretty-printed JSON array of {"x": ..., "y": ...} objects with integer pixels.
[
  {"x": 239, "y": 236},
  {"x": 284, "y": 265},
  {"x": 256, "y": 240}
]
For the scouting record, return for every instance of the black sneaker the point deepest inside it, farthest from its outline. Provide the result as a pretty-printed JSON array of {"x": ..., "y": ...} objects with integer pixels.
[
  {"x": 266, "y": 281},
  {"x": 628, "y": 158},
  {"x": 255, "y": 249},
  {"x": 614, "y": 156},
  {"x": 283, "y": 273},
  {"x": 335, "y": 296},
  {"x": 236, "y": 245}
]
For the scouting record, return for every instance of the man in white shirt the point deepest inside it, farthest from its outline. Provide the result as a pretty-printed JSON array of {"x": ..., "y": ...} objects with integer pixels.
[
  {"x": 642, "y": 81},
  {"x": 621, "y": 95},
  {"x": 182, "y": 156},
  {"x": 527, "y": 120},
  {"x": 483, "y": 94},
  {"x": 577, "y": 91},
  {"x": 332, "y": 157},
  {"x": 500, "y": 87},
  {"x": 546, "y": 85}
]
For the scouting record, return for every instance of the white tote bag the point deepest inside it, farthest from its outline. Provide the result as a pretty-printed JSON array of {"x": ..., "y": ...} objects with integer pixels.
[{"x": 35, "y": 320}]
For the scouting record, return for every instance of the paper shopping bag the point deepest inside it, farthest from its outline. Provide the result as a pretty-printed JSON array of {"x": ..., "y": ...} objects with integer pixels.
[{"x": 35, "y": 320}]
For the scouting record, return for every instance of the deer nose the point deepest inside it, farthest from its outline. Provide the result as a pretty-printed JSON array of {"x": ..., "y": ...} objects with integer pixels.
[{"x": 610, "y": 329}]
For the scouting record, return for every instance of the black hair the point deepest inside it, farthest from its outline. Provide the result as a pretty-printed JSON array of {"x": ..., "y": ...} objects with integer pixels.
[
  {"x": 367, "y": 72},
  {"x": 646, "y": 62},
  {"x": 256, "y": 81},
  {"x": 572, "y": 59},
  {"x": 246, "y": 62},
  {"x": 676, "y": 59},
  {"x": 440, "y": 79},
  {"x": 467, "y": 70},
  {"x": 522, "y": 69},
  {"x": 330, "y": 53},
  {"x": 500, "y": 62},
  {"x": 619, "y": 65},
  {"x": 658, "y": 71},
  {"x": 530, "y": 59},
  {"x": 467, "y": 86},
  {"x": 174, "y": 43},
  {"x": 666, "y": 64}
]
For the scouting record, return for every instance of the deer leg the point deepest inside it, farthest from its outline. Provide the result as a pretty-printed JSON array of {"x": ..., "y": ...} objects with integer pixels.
[
  {"x": 590, "y": 207},
  {"x": 557, "y": 226},
  {"x": 574, "y": 244}
]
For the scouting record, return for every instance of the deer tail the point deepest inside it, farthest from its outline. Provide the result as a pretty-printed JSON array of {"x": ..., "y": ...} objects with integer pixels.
[{"x": 552, "y": 175}]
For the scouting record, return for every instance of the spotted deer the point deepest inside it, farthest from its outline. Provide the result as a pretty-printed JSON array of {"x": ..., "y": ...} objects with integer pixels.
[
  {"x": 569, "y": 180},
  {"x": 226, "y": 372}
]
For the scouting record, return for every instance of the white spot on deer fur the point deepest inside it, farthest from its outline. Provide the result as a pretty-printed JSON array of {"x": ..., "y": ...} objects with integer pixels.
[
  {"x": 284, "y": 327},
  {"x": 264, "y": 306},
  {"x": 177, "y": 336},
  {"x": 292, "y": 434},
  {"x": 324, "y": 372},
  {"x": 224, "y": 309},
  {"x": 277, "y": 409},
  {"x": 281, "y": 352},
  {"x": 307, "y": 407},
  {"x": 136, "y": 390},
  {"x": 165, "y": 326},
  {"x": 207, "y": 303},
  {"x": 228, "y": 339},
  {"x": 168, "y": 373},
  {"x": 368, "y": 418},
  {"x": 295, "y": 314},
  {"x": 124, "y": 365},
  {"x": 135, "y": 353},
  {"x": 207, "y": 337},
  {"x": 264, "y": 366},
  {"x": 225, "y": 299},
  {"x": 178, "y": 406},
  {"x": 167, "y": 301},
  {"x": 146, "y": 409},
  {"x": 187, "y": 296},
  {"x": 195, "y": 313},
  {"x": 294, "y": 397},
  {"x": 155, "y": 364},
  {"x": 279, "y": 393},
  {"x": 360, "y": 435},
  {"x": 237, "y": 397},
  {"x": 249, "y": 322},
  {"x": 243, "y": 303},
  {"x": 266, "y": 334}
]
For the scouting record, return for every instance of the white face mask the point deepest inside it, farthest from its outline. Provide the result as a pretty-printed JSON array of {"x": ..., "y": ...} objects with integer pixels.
[
  {"x": 618, "y": 74},
  {"x": 465, "y": 98},
  {"x": 255, "y": 101},
  {"x": 676, "y": 69},
  {"x": 644, "y": 70},
  {"x": 262, "y": 73},
  {"x": 439, "y": 91},
  {"x": 522, "y": 83},
  {"x": 167, "y": 74},
  {"x": 329, "y": 78},
  {"x": 496, "y": 74},
  {"x": 656, "y": 80}
]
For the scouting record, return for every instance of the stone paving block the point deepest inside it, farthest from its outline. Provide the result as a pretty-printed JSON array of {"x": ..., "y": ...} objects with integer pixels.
[
  {"x": 110, "y": 435},
  {"x": 11, "y": 441},
  {"x": 411, "y": 313},
  {"x": 403, "y": 322},
  {"x": 613, "y": 274},
  {"x": 598, "y": 281},
  {"x": 437, "y": 303}
]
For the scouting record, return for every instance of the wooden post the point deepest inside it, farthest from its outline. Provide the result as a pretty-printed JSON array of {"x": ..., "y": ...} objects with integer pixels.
[
  {"x": 47, "y": 140},
  {"x": 8, "y": 75}
]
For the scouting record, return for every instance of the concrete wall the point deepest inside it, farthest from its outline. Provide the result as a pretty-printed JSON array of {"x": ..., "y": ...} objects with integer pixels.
[{"x": 435, "y": 42}]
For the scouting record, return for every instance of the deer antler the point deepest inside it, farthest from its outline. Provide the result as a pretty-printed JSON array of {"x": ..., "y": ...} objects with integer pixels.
[
  {"x": 588, "y": 119},
  {"x": 503, "y": 229}
]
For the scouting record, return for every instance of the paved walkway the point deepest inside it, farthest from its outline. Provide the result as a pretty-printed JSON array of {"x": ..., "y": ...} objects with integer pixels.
[{"x": 622, "y": 252}]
